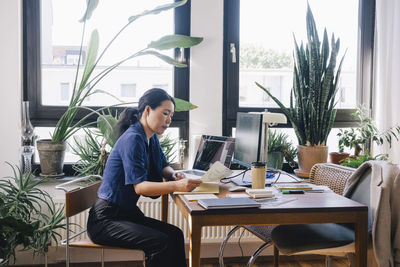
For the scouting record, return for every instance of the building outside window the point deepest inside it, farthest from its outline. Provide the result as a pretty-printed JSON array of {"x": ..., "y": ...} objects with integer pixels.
[
  {"x": 64, "y": 94},
  {"x": 128, "y": 90}
]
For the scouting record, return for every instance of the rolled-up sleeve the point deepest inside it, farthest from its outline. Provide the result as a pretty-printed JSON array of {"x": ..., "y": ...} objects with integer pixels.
[{"x": 133, "y": 155}]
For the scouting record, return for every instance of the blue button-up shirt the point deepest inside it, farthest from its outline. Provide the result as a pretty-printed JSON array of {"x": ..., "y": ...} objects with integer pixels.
[{"x": 131, "y": 162}]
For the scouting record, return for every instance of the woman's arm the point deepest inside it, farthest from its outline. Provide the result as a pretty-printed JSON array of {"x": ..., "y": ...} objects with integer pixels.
[{"x": 156, "y": 189}]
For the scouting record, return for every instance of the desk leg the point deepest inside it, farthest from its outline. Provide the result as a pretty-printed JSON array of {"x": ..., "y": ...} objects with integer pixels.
[
  {"x": 194, "y": 242},
  {"x": 361, "y": 236}
]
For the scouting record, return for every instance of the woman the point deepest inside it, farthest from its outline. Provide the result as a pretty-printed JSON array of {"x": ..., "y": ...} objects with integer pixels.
[{"x": 135, "y": 167}]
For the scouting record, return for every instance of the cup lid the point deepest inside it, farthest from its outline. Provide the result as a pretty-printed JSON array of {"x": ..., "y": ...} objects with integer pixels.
[{"x": 258, "y": 164}]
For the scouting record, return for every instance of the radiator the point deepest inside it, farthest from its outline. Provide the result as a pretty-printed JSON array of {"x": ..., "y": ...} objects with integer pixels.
[{"x": 152, "y": 208}]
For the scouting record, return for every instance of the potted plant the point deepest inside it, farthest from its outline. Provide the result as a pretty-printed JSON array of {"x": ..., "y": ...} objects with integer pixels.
[
  {"x": 366, "y": 131},
  {"x": 279, "y": 147},
  {"x": 24, "y": 221},
  {"x": 51, "y": 152},
  {"x": 315, "y": 83}
]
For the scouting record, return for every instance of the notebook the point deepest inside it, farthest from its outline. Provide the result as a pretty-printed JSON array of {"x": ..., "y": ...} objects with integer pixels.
[
  {"x": 228, "y": 203},
  {"x": 211, "y": 149}
]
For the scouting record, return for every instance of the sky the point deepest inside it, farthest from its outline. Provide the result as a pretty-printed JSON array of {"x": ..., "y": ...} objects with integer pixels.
[{"x": 272, "y": 23}]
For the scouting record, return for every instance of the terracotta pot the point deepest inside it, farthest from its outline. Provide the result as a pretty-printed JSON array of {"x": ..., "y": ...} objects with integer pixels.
[
  {"x": 337, "y": 157},
  {"x": 51, "y": 155},
  {"x": 308, "y": 156}
]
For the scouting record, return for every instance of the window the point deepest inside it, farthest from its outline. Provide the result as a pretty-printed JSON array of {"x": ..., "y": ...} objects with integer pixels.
[
  {"x": 128, "y": 90},
  {"x": 64, "y": 95},
  {"x": 258, "y": 47},
  {"x": 51, "y": 42}
]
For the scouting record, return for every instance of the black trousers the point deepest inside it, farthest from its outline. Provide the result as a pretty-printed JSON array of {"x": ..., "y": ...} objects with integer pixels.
[{"x": 162, "y": 243}]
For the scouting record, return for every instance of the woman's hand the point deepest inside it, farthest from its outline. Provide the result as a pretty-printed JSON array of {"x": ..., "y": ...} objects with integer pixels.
[
  {"x": 178, "y": 176},
  {"x": 187, "y": 185}
]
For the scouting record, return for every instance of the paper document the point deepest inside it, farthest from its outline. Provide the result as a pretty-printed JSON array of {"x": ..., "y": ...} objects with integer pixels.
[
  {"x": 204, "y": 188},
  {"x": 195, "y": 197},
  {"x": 210, "y": 179},
  {"x": 216, "y": 172}
]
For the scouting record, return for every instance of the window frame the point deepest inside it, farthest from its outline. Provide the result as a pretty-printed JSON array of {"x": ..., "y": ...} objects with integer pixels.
[
  {"x": 47, "y": 116},
  {"x": 366, "y": 22}
]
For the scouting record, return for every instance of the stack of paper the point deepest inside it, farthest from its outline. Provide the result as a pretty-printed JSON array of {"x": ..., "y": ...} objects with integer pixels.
[
  {"x": 307, "y": 187},
  {"x": 260, "y": 193},
  {"x": 210, "y": 180}
]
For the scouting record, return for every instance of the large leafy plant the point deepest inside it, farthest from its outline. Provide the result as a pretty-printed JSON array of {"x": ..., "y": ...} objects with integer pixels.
[
  {"x": 28, "y": 216},
  {"x": 366, "y": 131},
  {"x": 315, "y": 83},
  {"x": 67, "y": 125}
]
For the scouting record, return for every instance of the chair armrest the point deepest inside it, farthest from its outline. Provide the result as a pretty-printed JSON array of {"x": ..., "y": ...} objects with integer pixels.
[{"x": 332, "y": 175}]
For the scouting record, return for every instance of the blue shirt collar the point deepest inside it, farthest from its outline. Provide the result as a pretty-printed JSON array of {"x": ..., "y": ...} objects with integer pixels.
[{"x": 139, "y": 128}]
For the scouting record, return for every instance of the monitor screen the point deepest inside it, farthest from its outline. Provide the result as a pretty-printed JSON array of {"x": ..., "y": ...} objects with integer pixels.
[
  {"x": 248, "y": 138},
  {"x": 212, "y": 149}
]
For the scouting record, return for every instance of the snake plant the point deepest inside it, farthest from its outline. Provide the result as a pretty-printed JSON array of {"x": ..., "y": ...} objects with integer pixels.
[{"x": 315, "y": 83}]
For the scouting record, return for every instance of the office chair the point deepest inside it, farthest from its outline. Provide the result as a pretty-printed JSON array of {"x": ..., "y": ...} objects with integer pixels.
[
  {"x": 332, "y": 175},
  {"x": 79, "y": 198},
  {"x": 325, "y": 239}
]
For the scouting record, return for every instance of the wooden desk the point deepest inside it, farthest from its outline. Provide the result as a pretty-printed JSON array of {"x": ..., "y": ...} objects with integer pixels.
[{"x": 308, "y": 208}]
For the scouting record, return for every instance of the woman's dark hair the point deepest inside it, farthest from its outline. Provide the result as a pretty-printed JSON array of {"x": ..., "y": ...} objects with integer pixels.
[{"x": 153, "y": 98}]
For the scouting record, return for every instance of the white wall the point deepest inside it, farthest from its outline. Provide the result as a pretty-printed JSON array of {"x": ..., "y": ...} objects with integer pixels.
[
  {"x": 10, "y": 82},
  {"x": 206, "y": 70}
]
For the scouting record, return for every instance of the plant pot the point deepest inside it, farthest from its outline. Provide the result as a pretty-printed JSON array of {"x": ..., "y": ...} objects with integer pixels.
[
  {"x": 51, "y": 155},
  {"x": 337, "y": 157},
  {"x": 308, "y": 156},
  {"x": 275, "y": 160}
]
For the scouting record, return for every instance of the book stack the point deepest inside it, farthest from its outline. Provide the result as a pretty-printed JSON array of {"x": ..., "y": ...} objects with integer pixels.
[
  {"x": 311, "y": 188},
  {"x": 260, "y": 193}
]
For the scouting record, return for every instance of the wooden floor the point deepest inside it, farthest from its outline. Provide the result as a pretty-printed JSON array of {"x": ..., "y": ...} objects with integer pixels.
[{"x": 293, "y": 261}]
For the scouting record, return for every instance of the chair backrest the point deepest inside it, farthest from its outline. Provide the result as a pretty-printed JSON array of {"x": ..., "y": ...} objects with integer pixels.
[
  {"x": 80, "y": 199},
  {"x": 332, "y": 175},
  {"x": 362, "y": 193}
]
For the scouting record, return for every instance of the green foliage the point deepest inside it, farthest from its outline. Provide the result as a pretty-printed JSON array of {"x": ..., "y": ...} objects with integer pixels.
[
  {"x": 28, "y": 216},
  {"x": 356, "y": 162},
  {"x": 93, "y": 152},
  {"x": 315, "y": 84},
  {"x": 279, "y": 142},
  {"x": 89, "y": 152},
  {"x": 357, "y": 137},
  {"x": 167, "y": 145},
  {"x": 258, "y": 57},
  {"x": 67, "y": 125}
]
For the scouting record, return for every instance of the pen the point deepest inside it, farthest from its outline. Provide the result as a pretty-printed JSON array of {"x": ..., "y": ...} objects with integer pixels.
[{"x": 292, "y": 191}]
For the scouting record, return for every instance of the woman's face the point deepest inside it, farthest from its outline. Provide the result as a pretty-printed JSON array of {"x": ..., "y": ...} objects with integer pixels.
[{"x": 159, "y": 119}]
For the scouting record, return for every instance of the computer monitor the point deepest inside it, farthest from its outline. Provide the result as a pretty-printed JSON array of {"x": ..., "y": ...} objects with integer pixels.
[
  {"x": 212, "y": 149},
  {"x": 248, "y": 138}
]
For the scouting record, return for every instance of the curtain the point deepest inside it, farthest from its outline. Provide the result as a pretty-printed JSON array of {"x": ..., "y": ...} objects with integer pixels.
[{"x": 386, "y": 88}]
